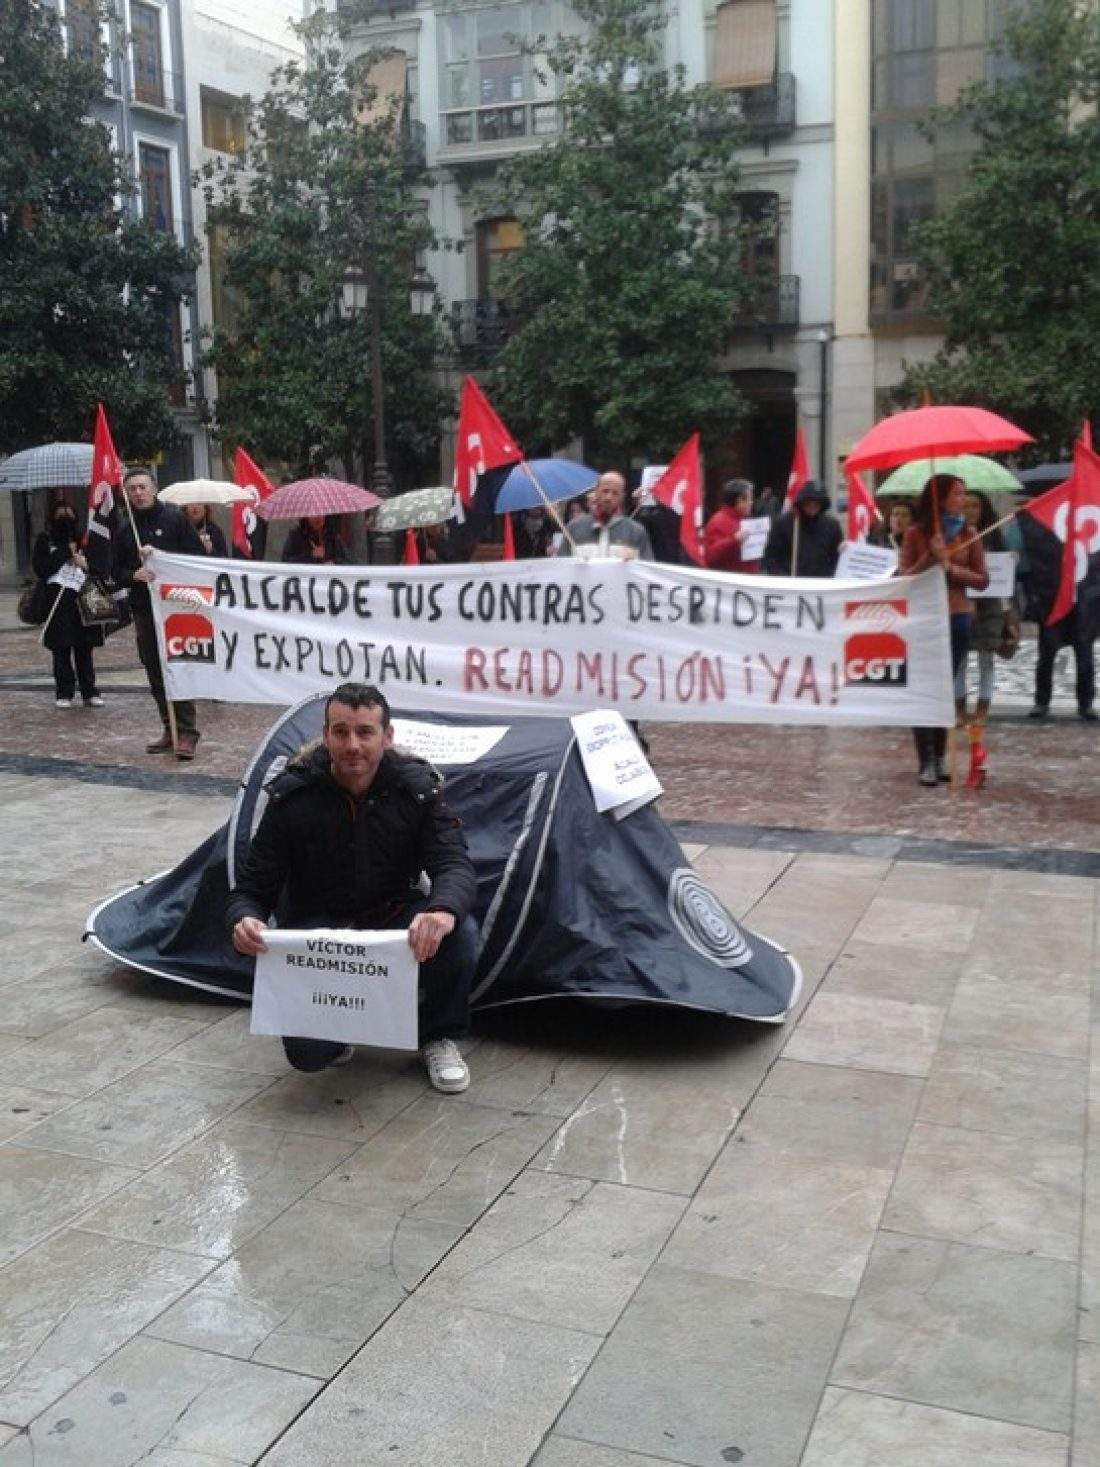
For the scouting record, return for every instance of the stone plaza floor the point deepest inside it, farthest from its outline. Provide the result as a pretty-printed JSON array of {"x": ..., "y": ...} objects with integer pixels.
[{"x": 867, "y": 1238}]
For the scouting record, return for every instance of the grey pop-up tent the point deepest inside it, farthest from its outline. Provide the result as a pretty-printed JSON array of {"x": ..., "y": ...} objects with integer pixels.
[{"x": 571, "y": 903}]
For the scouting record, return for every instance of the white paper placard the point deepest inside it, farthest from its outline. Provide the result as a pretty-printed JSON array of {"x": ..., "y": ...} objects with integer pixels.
[
  {"x": 754, "y": 537},
  {"x": 70, "y": 576},
  {"x": 860, "y": 562},
  {"x": 618, "y": 772},
  {"x": 442, "y": 744},
  {"x": 329, "y": 983},
  {"x": 1001, "y": 565}
]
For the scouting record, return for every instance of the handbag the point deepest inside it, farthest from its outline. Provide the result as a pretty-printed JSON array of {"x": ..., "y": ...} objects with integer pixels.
[
  {"x": 95, "y": 603},
  {"x": 1010, "y": 636},
  {"x": 33, "y": 605}
]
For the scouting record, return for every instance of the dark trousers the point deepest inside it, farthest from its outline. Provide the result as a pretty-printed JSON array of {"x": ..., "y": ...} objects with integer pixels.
[
  {"x": 73, "y": 665},
  {"x": 1069, "y": 632},
  {"x": 932, "y": 742},
  {"x": 445, "y": 982},
  {"x": 146, "y": 633}
]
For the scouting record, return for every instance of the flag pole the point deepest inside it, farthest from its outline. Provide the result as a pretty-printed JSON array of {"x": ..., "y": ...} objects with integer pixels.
[
  {"x": 173, "y": 729},
  {"x": 548, "y": 503},
  {"x": 794, "y": 540}
]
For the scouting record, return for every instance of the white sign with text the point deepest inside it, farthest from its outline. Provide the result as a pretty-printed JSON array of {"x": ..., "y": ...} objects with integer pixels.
[
  {"x": 860, "y": 562},
  {"x": 618, "y": 772},
  {"x": 1001, "y": 565},
  {"x": 330, "y": 983},
  {"x": 754, "y": 537}
]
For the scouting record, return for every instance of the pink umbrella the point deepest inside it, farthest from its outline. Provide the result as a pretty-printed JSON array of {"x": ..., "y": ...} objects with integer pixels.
[
  {"x": 307, "y": 497},
  {"x": 934, "y": 432}
]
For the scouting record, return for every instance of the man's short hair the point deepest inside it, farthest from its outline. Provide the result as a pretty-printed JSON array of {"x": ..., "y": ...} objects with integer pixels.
[
  {"x": 735, "y": 489},
  {"x": 359, "y": 695},
  {"x": 139, "y": 470}
]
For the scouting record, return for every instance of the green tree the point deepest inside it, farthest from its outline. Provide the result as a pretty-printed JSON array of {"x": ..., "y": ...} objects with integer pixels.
[
  {"x": 630, "y": 275},
  {"x": 1012, "y": 262},
  {"x": 85, "y": 288},
  {"x": 318, "y": 202}
]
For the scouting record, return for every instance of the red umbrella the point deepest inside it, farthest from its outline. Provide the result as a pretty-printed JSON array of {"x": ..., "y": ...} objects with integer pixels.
[
  {"x": 934, "y": 432},
  {"x": 307, "y": 497}
]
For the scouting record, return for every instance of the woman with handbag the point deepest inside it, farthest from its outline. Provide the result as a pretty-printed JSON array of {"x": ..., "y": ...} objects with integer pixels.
[
  {"x": 996, "y": 627},
  {"x": 66, "y": 636}
]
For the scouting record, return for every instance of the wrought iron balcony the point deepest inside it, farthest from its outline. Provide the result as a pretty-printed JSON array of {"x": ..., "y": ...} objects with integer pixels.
[
  {"x": 414, "y": 143},
  {"x": 769, "y": 111},
  {"x": 482, "y": 326},
  {"x": 774, "y": 307},
  {"x": 150, "y": 86}
]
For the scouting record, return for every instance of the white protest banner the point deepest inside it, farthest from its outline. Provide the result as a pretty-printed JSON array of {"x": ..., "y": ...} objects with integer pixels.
[
  {"x": 859, "y": 561},
  {"x": 1001, "y": 565},
  {"x": 754, "y": 535},
  {"x": 560, "y": 636},
  {"x": 355, "y": 987},
  {"x": 69, "y": 576},
  {"x": 618, "y": 772}
]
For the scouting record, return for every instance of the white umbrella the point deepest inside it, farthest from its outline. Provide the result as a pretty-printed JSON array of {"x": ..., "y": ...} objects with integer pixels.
[
  {"x": 206, "y": 491},
  {"x": 49, "y": 466}
]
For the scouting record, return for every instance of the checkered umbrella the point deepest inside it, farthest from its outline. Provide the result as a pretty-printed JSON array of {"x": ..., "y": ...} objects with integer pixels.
[
  {"x": 306, "y": 497},
  {"x": 52, "y": 466}
]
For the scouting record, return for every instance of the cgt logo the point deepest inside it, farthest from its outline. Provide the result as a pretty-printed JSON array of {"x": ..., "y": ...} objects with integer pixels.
[
  {"x": 875, "y": 651},
  {"x": 188, "y": 635}
]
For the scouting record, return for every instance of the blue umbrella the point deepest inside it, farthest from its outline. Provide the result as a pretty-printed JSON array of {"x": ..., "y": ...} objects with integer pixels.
[{"x": 558, "y": 478}]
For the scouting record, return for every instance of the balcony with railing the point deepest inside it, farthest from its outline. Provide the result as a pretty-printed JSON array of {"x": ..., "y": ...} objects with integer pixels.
[
  {"x": 773, "y": 307},
  {"x": 158, "y": 90},
  {"x": 351, "y": 11},
  {"x": 413, "y": 142},
  {"x": 477, "y": 131},
  {"x": 764, "y": 112},
  {"x": 482, "y": 327}
]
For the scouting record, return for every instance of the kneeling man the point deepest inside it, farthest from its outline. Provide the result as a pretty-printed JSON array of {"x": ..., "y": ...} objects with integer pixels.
[{"x": 348, "y": 829}]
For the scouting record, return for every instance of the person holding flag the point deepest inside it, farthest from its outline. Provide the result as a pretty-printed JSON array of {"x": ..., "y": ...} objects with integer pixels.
[
  {"x": 56, "y": 555},
  {"x": 606, "y": 528},
  {"x": 806, "y": 540}
]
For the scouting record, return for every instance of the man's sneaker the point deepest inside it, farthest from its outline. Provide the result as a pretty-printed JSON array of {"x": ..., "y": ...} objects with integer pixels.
[
  {"x": 445, "y": 1066},
  {"x": 160, "y": 746},
  {"x": 1039, "y": 711},
  {"x": 928, "y": 775},
  {"x": 943, "y": 774},
  {"x": 63, "y": 703},
  {"x": 343, "y": 1056},
  {"x": 187, "y": 745},
  {"x": 95, "y": 701}
]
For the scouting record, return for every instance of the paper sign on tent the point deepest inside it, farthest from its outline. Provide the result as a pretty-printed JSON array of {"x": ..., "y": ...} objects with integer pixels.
[
  {"x": 618, "y": 772},
  {"x": 331, "y": 983}
]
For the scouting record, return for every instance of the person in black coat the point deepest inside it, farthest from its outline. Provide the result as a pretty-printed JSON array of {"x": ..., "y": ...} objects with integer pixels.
[
  {"x": 315, "y": 540},
  {"x": 66, "y": 636},
  {"x": 208, "y": 531},
  {"x": 819, "y": 537},
  {"x": 1078, "y": 629},
  {"x": 159, "y": 527},
  {"x": 347, "y": 831}
]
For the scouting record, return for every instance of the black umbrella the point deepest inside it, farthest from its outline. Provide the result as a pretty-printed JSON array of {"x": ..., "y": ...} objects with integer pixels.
[{"x": 1043, "y": 477}]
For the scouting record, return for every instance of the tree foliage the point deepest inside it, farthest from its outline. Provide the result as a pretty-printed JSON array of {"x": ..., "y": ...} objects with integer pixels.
[
  {"x": 1012, "y": 262},
  {"x": 85, "y": 288},
  {"x": 320, "y": 196},
  {"x": 630, "y": 274}
]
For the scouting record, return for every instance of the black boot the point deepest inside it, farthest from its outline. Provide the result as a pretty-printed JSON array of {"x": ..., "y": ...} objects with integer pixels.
[
  {"x": 926, "y": 756},
  {"x": 939, "y": 749}
]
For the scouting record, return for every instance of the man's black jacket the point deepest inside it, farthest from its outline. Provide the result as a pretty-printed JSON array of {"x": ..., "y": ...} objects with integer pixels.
[
  {"x": 340, "y": 862},
  {"x": 162, "y": 526}
]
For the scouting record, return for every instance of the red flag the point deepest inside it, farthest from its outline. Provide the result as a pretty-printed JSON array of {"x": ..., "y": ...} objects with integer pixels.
[
  {"x": 1071, "y": 511},
  {"x": 106, "y": 477},
  {"x": 482, "y": 443},
  {"x": 800, "y": 469},
  {"x": 681, "y": 488},
  {"x": 509, "y": 540},
  {"x": 412, "y": 554},
  {"x": 244, "y": 521},
  {"x": 862, "y": 509}
]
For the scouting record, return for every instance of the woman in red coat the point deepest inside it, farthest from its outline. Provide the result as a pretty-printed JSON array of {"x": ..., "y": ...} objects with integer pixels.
[{"x": 723, "y": 532}]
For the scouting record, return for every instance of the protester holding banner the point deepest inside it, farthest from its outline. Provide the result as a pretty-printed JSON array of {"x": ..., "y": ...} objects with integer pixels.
[
  {"x": 605, "y": 526},
  {"x": 161, "y": 527},
  {"x": 314, "y": 540},
  {"x": 210, "y": 533},
  {"x": 723, "y": 533},
  {"x": 348, "y": 830},
  {"x": 941, "y": 536},
  {"x": 805, "y": 541},
  {"x": 69, "y": 641}
]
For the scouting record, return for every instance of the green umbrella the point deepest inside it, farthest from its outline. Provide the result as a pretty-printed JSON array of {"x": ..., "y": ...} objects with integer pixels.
[
  {"x": 976, "y": 472},
  {"x": 414, "y": 510}
]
